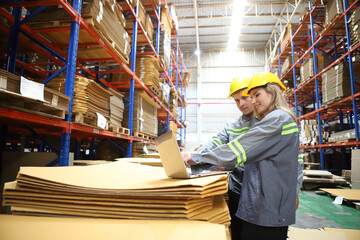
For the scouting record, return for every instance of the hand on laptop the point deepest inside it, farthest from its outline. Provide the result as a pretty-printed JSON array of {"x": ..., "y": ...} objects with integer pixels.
[{"x": 186, "y": 156}]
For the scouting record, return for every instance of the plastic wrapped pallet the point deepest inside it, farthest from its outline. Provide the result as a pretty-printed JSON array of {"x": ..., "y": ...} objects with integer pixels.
[
  {"x": 145, "y": 114},
  {"x": 336, "y": 82},
  {"x": 307, "y": 68}
]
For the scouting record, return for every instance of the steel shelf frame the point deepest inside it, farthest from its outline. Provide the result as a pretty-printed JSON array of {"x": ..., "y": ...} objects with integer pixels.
[
  {"x": 323, "y": 112},
  {"x": 68, "y": 62}
]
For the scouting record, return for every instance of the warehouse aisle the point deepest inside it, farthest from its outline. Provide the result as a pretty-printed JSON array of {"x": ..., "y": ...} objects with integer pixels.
[{"x": 316, "y": 211}]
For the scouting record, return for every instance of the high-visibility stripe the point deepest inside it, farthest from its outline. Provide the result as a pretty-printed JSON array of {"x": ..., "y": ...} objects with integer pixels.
[
  {"x": 217, "y": 141},
  {"x": 242, "y": 152},
  {"x": 300, "y": 158},
  {"x": 289, "y": 125},
  {"x": 290, "y": 131},
  {"x": 236, "y": 153},
  {"x": 237, "y": 130},
  {"x": 234, "y": 133}
]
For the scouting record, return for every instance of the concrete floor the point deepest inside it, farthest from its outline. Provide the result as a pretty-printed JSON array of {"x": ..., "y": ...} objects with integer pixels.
[{"x": 316, "y": 211}]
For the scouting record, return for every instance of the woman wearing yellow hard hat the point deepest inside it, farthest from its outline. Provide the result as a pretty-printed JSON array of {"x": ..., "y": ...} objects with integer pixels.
[{"x": 269, "y": 150}]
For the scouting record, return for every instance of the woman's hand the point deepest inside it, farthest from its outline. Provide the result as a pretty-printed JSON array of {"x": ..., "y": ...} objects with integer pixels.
[{"x": 186, "y": 156}]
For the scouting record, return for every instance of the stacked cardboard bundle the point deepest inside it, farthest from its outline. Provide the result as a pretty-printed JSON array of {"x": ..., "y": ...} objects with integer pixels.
[
  {"x": 155, "y": 162},
  {"x": 145, "y": 21},
  {"x": 139, "y": 148},
  {"x": 145, "y": 114},
  {"x": 343, "y": 136},
  {"x": 148, "y": 5},
  {"x": 27, "y": 228},
  {"x": 120, "y": 190},
  {"x": 336, "y": 82},
  {"x": 148, "y": 70},
  {"x": 165, "y": 92},
  {"x": 186, "y": 78},
  {"x": 116, "y": 107},
  {"x": 104, "y": 17},
  {"x": 307, "y": 68},
  {"x": 309, "y": 132},
  {"x": 354, "y": 29},
  {"x": 288, "y": 63},
  {"x": 89, "y": 97},
  {"x": 322, "y": 177},
  {"x": 173, "y": 102},
  {"x": 174, "y": 17},
  {"x": 287, "y": 34},
  {"x": 333, "y": 9},
  {"x": 165, "y": 20},
  {"x": 165, "y": 49}
]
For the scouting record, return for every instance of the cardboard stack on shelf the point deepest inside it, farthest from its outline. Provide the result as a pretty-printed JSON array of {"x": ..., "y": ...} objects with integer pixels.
[
  {"x": 150, "y": 5},
  {"x": 140, "y": 148},
  {"x": 307, "y": 68},
  {"x": 148, "y": 70},
  {"x": 116, "y": 108},
  {"x": 165, "y": 49},
  {"x": 174, "y": 17},
  {"x": 355, "y": 27},
  {"x": 119, "y": 190},
  {"x": 287, "y": 64},
  {"x": 145, "y": 22},
  {"x": 333, "y": 9},
  {"x": 336, "y": 82},
  {"x": 287, "y": 34},
  {"x": 28, "y": 96},
  {"x": 145, "y": 115},
  {"x": 165, "y": 92},
  {"x": 174, "y": 102},
  {"x": 172, "y": 126},
  {"x": 104, "y": 17},
  {"x": 309, "y": 132},
  {"x": 90, "y": 101},
  {"x": 342, "y": 136},
  {"x": 186, "y": 78},
  {"x": 165, "y": 20}
]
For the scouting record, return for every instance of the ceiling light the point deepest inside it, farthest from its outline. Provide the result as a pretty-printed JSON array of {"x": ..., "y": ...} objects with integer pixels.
[
  {"x": 236, "y": 24},
  {"x": 197, "y": 52}
]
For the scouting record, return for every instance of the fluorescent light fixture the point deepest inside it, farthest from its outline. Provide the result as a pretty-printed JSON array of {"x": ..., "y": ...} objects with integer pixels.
[
  {"x": 197, "y": 52},
  {"x": 236, "y": 23}
]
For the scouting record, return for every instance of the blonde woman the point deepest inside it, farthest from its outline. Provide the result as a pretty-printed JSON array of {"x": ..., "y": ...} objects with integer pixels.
[{"x": 269, "y": 150}]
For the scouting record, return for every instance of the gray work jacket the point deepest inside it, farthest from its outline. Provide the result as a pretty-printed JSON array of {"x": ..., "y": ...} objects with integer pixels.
[
  {"x": 270, "y": 151},
  {"x": 232, "y": 130}
]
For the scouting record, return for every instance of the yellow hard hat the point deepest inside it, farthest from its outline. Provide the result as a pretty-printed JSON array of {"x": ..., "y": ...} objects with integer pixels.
[
  {"x": 261, "y": 79},
  {"x": 238, "y": 84}
]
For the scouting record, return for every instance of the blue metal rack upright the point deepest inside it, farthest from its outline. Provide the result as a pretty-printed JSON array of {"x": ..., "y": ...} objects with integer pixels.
[{"x": 339, "y": 48}]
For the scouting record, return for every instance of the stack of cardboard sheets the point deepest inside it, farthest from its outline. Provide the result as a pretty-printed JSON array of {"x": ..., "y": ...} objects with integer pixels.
[
  {"x": 89, "y": 97},
  {"x": 29, "y": 228},
  {"x": 139, "y": 148},
  {"x": 145, "y": 114},
  {"x": 116, "y": 190},
  {"x": 104, "y": 17},
  {"x": 165, "y": 48},
  {"x": 354, "y": 29},
  {"x": 116, "y": 107},
  {"x": 307, "y": 68},
  {"x": 155, "y": 162},
  {"x": 336, "y": 82}
]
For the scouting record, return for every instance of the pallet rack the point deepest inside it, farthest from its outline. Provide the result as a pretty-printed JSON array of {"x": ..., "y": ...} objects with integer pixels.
[
  {"x": 69, "y": 63},
  {"x": 335, "y": 41}
]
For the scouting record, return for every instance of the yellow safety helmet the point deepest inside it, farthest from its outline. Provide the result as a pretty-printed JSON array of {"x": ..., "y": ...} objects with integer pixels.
[
  {"x": 261, "y": 79},
  {"x": 238, "y": 84}
]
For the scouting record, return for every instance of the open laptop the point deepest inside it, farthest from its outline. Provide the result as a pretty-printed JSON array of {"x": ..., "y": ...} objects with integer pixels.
[{"x": 171, "y": 159}]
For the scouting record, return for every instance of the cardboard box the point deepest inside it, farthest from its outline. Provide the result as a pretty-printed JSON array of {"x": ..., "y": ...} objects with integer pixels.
[
  {"x": 307, "y": 68},
  {"x": 288, "y": 63},
  {"x": 333, "y": 8},
  {"x": 287, "y": 36}
]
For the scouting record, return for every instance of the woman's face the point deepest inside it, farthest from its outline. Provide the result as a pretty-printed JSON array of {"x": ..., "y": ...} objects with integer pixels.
[{"x": 261, "y": 100}]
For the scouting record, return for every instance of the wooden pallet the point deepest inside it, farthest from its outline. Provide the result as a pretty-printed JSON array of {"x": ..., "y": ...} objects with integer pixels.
[
  {"x": 87, "y": 119},
  {"x": 144, "y": 136},
  {"x": 21, "y": 103},
  {"x": 118, "y": 129}
]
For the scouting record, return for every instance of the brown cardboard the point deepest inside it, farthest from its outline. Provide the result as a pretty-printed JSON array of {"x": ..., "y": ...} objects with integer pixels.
[
  {"x": 349, "y": 194},
  {"x": 145, "y": 161},
  {"x": 45, "y": 228},
  {"x": 355, "y": 166},
  {"x": 351, "y": 234},
  {"x": 314, "y": 234}
]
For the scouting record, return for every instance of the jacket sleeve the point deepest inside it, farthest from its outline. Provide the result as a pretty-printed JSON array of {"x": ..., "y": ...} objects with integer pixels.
[
  {"x": 216, "y": 141},
  {"x": 300, "y": 173},
  {"x": 258, "y": 141}
]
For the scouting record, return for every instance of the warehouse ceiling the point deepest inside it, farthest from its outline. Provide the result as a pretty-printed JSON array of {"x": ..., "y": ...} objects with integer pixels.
[{"x": 262, "y": 22}]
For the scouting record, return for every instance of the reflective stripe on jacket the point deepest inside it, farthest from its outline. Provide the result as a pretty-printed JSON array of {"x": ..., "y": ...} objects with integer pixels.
[{"x": 231, "y": 131}]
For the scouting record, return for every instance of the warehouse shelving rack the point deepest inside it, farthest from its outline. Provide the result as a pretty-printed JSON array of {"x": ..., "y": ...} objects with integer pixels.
[
  {"x": 69, "y": 63},
  {"x": 325, "y": 40}
]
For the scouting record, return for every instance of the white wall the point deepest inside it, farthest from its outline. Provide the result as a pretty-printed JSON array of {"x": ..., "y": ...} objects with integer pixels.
[{"x": 209, "y": 108}]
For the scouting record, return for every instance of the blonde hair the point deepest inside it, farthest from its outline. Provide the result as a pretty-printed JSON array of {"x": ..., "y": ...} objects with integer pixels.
[{"x": 278, "y": 101}]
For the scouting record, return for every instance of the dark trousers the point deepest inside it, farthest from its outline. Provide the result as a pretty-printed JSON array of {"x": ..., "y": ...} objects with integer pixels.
[
  {"x": 249, "y": 231},
  {"x": 235, "y": 221}
]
